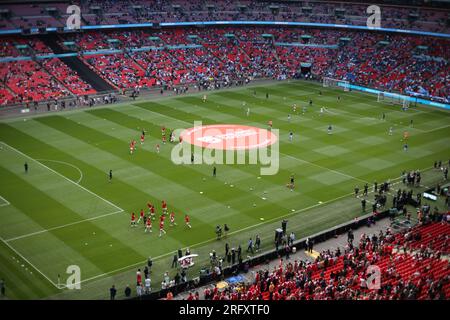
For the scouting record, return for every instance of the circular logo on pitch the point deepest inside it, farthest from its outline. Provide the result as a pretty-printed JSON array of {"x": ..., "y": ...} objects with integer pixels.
[{"x": 228, "y": 137}]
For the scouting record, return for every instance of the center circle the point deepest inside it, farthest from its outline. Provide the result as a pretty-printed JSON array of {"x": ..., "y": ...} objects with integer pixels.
[{"x": 228, "y": 137}]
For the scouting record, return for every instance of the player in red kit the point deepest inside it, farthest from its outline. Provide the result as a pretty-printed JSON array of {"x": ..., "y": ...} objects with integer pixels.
[
  {"x": 172, "y": 219},
  {"x": 152, "y": 212},
  {"x": 141, "y": 216},
  {"x": 187, "y": 220},
  {"x": 138, "y": 277},
  {"x": 148, "y": 225},
  {"x": 131, "y": 147},
  {"x": 164, "y": 207},
  {"x": 133, "y": 220},
  {"x": 161, "y": 228},
  {"x": 149, "y": 206},
  {"x": 142, "y": 138},
  {"x": 164, "y": 139}
]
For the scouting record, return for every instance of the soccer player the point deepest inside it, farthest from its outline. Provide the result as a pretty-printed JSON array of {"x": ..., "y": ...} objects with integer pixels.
[
  {"x": 294, "y": 108},
  {"x": 163, "y": 131},
  {"x": 152, "y": 212},
  {"x": 133, "y": 220},
  {"x": 405, "y": 147},
  {"x": 321, "y": 111},
  {"x": 270, "y": 124},
  {"x": 164, "y": 139},
  {"x": 405, "y": 136},
  {"x": 214, "y": 171},
  {"x": 291, "y": 184},
  {"x": 204, "y": 98},
  {"x": 148, "y": 225},
  {"x": 338, "y": 98},
  {"x": 164, "y": 207},
  {"x": 141, "y": 215},
  {"x": 187, "y": 220},
  {"x": 142, "y": 138},
  {"x": 110, "y": 175},
  {"x": 303, "y": 109},
  {"x": 248, "y": 112},
  {"x": 131, "y": 147},
  {"x": 330, "y": 128},
  {"x": 289, "y": 118},
  {"x": 390, "y": 131},
  {"x": 161, "y": 228},
  {"x": 26, "y": 167},
  {"x": 383, "y": 116},
  {"x": 172, "y": 219},
  {"x": 291, "y": 136},
  {"x": 310, "y": 102},
  {"x": 411, "y": 123},
  {"x": 157, "y": 148},
  {"x": 149, "y": 206}
]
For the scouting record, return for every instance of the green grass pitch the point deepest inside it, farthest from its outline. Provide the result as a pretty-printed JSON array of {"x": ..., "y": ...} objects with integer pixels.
[{"x": 64, "y": 211}]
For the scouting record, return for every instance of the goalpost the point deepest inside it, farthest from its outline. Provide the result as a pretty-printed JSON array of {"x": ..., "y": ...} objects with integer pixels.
[
  {"x": 394, "y": 99},
  {"x": 336, "y": 83}
]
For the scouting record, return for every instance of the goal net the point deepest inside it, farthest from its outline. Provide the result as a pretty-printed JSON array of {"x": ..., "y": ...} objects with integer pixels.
[
  {"x": 336, "y": 83},
  {"x": 394, "y": 99}
]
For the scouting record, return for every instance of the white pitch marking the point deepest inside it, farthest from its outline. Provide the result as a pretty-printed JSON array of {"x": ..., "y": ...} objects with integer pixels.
[
  {"x": 68, "y": 164},
  {"x": 64, "y": 177},
  {"x": 6, "y": 202},
  {"x": 26, "y": 260},
  {"x": 319, "y": 166},
  {"x": 62, "y": 226}
]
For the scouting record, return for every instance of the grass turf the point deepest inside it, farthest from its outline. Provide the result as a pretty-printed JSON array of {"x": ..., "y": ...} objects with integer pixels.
[{"x": 50, "y": 221}]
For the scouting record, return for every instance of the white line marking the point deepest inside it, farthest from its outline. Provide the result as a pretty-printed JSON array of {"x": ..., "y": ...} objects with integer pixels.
[
  {"x": 436, "y": 129},
  {"x": 62, "y": 226},
  {"x": 119, "y": 210},
  {"x": 68, "y": 164},
  {"x": 64, "y": 177},
  {"x": 319, "y": 166},
  {"x": 6, "y": 202},
  {"x": 26, "y": 260}
]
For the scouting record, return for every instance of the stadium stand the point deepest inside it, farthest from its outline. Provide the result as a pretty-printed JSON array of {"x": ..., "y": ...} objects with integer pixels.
[
  {"x": 418, "y": 66},
  {"x": 411, "y": 265},
  {"x": 119, "y": 12},
  {"x": 68, "y": 77}
]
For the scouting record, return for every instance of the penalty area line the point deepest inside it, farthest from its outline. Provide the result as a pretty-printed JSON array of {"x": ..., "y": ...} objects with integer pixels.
[
  {"x": 28, "y": 262},
  {"x": 62, "y": 226},
  {"x": 6, "y": 202},
  {"x": 62, "y": 176}
]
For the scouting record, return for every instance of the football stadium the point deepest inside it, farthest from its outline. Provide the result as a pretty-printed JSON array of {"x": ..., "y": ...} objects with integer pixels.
[{"x": 224, "y": 150}]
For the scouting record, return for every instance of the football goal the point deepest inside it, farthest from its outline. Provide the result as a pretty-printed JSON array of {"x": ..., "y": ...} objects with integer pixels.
[
  {"x": 394, "y": 99},
  {"x": 336, "y": 83}
]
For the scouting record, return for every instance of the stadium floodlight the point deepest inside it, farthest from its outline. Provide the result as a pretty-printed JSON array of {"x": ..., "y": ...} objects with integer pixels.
[
  {"x": 336, "y": 83},
  {"x": 394, "y": 99}
]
